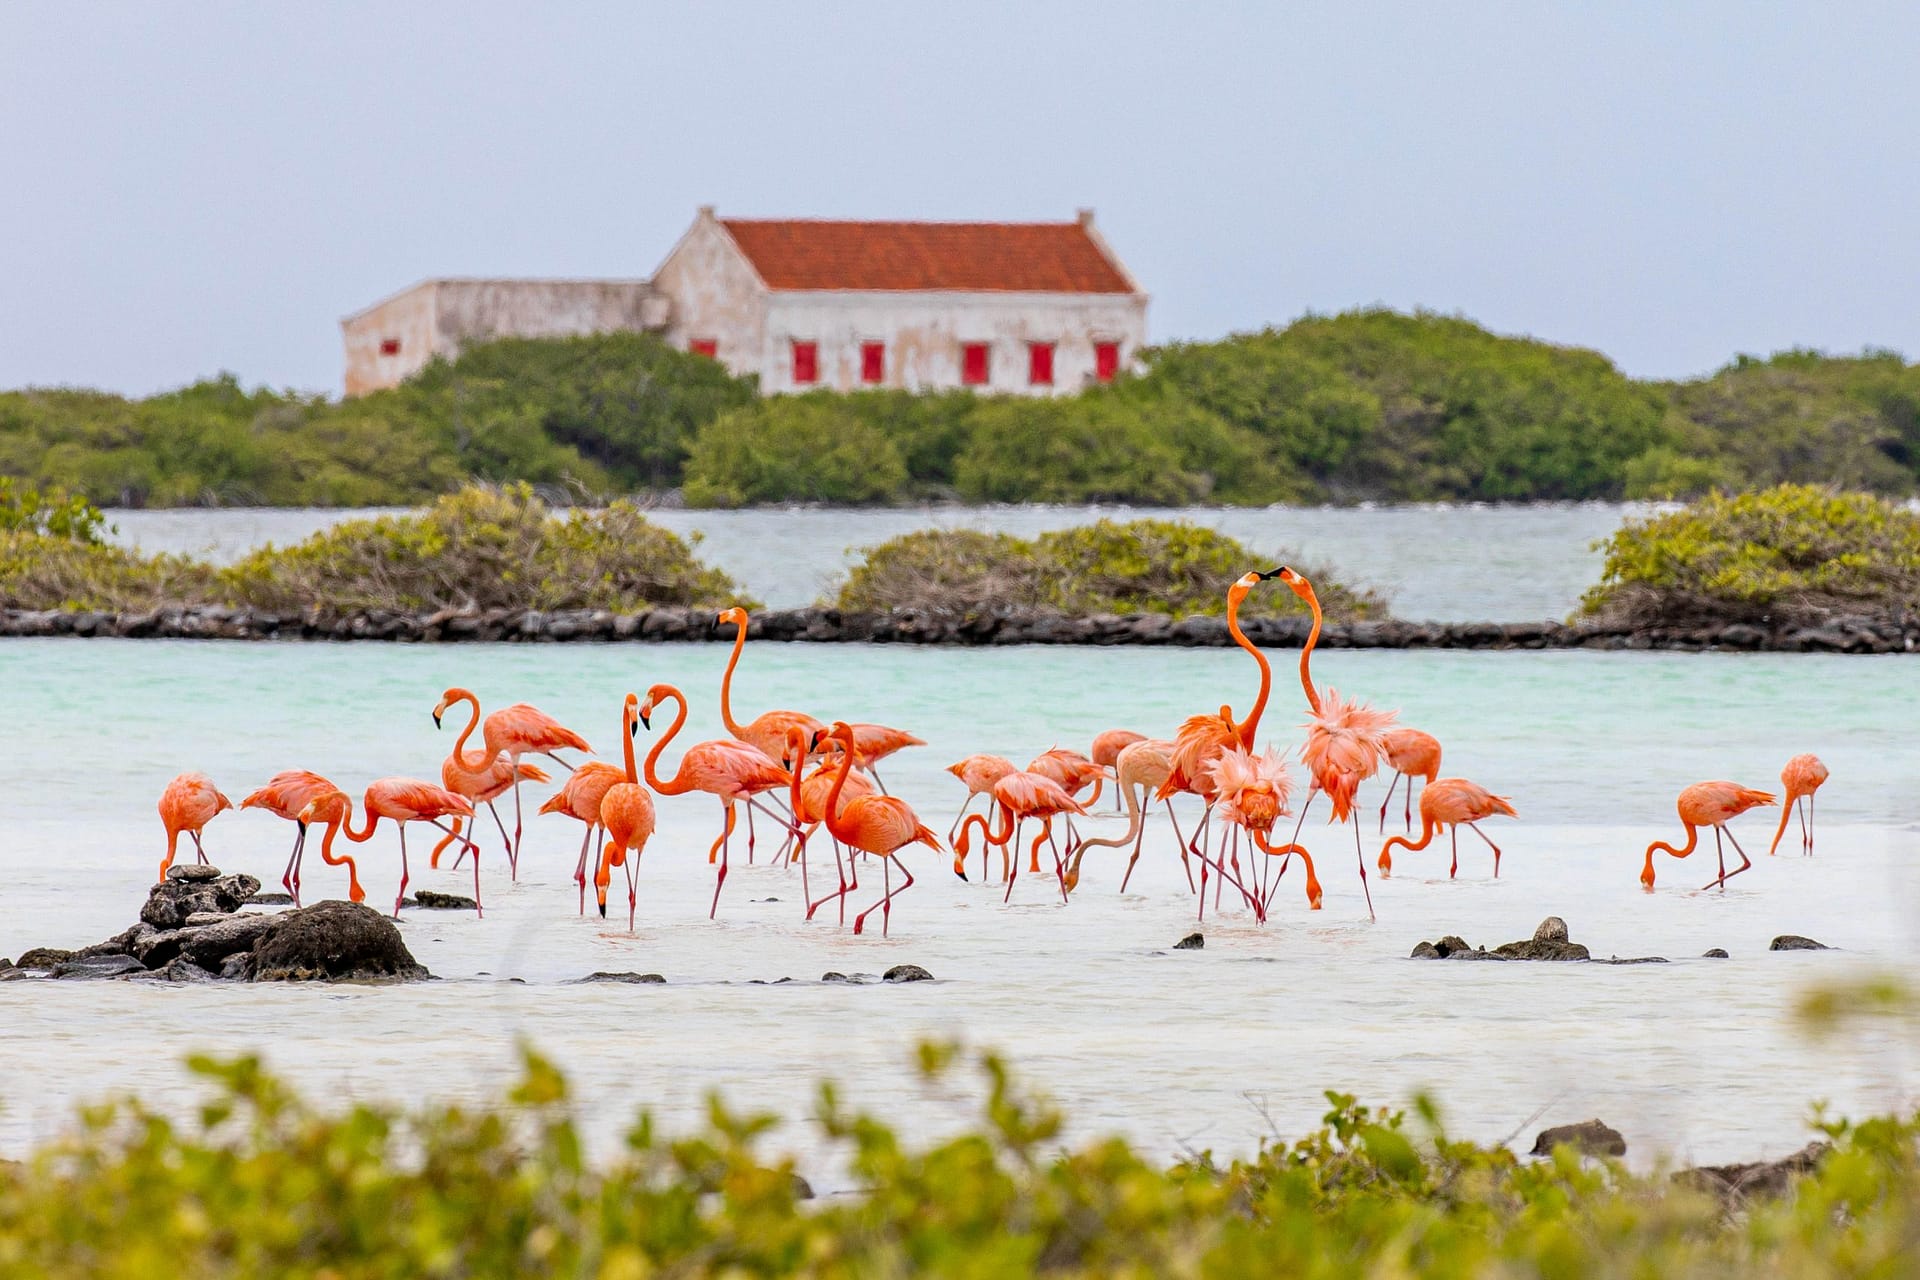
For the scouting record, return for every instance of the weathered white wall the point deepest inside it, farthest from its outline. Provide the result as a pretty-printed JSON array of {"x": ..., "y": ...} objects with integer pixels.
[
  {"x": 715, "y": 293},
  {"x": 407, "y": 316},
  {"x": 925, "y": 331}
]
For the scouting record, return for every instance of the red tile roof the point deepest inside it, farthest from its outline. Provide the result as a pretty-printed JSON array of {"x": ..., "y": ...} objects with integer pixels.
[{"x": 985, "y": 257}]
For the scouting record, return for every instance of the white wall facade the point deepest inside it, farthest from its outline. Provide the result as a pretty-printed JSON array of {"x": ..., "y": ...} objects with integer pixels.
[{"x": 715, "y": 295}]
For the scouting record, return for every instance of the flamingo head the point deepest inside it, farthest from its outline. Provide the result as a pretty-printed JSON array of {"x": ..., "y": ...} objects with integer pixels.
[
  {"x": 1313, "y": 890},
  {"x": 630, "y": 715},
  {"x": 1295, "y": 582},
  {"x": 736, "y": 615},
  {"x": 447, "y": 699},
  {"x": 655, "y": 696},
  {"x": 326, "y": 807}
]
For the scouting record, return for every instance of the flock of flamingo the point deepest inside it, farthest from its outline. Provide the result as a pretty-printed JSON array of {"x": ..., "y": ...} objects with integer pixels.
[{"x": 801, "y": 774}]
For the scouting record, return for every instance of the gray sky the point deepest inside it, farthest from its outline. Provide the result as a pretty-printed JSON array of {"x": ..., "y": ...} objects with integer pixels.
[{"x": 191, "y": 188}]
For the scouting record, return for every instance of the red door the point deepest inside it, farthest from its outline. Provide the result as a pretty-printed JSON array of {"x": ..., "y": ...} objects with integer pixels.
[
  {"x": 873, "y": 362},
  {"x": 806, "y": 363},
  {"x": 1106, "y": 360},
  {"x": 708, "y": 347},
  {"x": 973, "y": 364},
  {"x": 1040, "y": 364}
]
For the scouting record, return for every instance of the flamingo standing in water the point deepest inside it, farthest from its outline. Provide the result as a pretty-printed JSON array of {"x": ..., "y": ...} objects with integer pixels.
[
  {"x": 1345, "y": 739},
  {"x": 188, "y": 804},
  {"x": 333, "y": 808},
  {"x": 1072, "y": 771},
  {"x": 1252, "y": 793},
  {"x": 402, "y": 800},
  {"x": 1019, "y": 796},
  {"x": 1105, "y": 752},
  {"x": 1410, "y": 754},
  {"x": 979, "y": 773},
  {"x": 879, "y": 825},
  {"x": 484, "y": 787},
  {"x": 626, "y": 811},
  {"x": 809, "y": 801},
  {"x": 1710, "y": 804},
  {"x": 1138, "y": 769},
  {"x": 1803, "y": 776},
  {"x": 732, "y": 772},
  {"x": 767, "y": 732},
  {"x": 284, "y": 796},
  {"x": 579, "y": 797},
  {"x": 1449, "y": 803},
  {"x": 517, "y": 730}
]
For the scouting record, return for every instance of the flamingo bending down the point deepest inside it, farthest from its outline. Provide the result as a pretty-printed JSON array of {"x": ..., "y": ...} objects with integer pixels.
[
  {"x": 626, "y": 811},
  {"x": 979, "y": 773},
  {"x": 402, "y": 800},
  {"x": 1252, "y": 793},
  {"x": 1072, "y": 771},
  {"x": 1020, "y": 796},
  {"x": 1450, "y": 802},
  {"x": 517, "y": 730},
  {"x": 1410, "y": 754},
  {"x": 1803, "y": 776},
  {"x": 1138, "y": 769},
  {"x": 188, "y": 804},
  {"x": 879, "y": 825},
  {"x": 730, "y": 771},
  {"x": 334, "y": 808},
  {"x": 284, "y": 796},
  {"x": 579, "y": 797},
  {"x": 484, "y": 787},
  {"x": 1710, "y": 804},
  {"x": 1345, "y": 739},
  {"x": 1105, "y": 752}
]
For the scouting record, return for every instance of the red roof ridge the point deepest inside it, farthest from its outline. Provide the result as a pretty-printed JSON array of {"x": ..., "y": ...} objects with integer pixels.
[{"x": 900, "y": 255}]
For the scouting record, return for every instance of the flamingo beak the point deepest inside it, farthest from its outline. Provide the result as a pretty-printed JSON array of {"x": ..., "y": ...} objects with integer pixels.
[
  {"x": 436, "y": 719},
  {"x": 633, "y": 730},
  {"x": 1271, "y": 574},
  {"x": 643, "y": 718}
]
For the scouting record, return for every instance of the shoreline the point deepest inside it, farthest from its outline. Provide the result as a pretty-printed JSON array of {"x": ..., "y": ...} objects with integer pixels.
[{"x": 824, "y": 625}]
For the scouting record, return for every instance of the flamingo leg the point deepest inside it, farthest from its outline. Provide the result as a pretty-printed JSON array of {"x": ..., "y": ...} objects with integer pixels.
[
  {"x": 1409, "y": 813},
  {"x": 1491, "y": 845},
  {"x": 556, "y": 759},
  {"x": 1721, "y": 853},
  {"x": 433, "y": 857},
  {"x": 198, "y": 849},
  {"x": 580, "y": 871},
  {"x": 1804, "y": 808},
  {"x": 750, "y": 807},
  {"x": 886, "y": 901},
  {"x": 1389, "y": 800},
  {"x": 1745, "y": 862},
  {"x": 1453, "y": 834},
  {"x": 291, "y": 880},
  {"x": 1012, "y": 866},
  {"x": 721, "y": 847},
  {"x": 875, "y": 775},
  {"x": 960, "y": 817},
  {"x": 402, "y": 895},
  {"x": 504, "y": 841},
  {"x": 1363, "y": 871},
  {"x": 1185, "y": 854}
]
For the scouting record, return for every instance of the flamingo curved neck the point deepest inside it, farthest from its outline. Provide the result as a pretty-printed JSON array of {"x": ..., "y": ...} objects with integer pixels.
[
  {"x": 674, "y": 786},
  {"x": 626, "y": 732},
  {"x": 469, "y": 764},
  {"x": 1306, "y": 653},
  {"x": 835, "y": 824},
  {"x": 1428, "y": 829},
  {"x": 1251, "y": 725},
  {"x": 734, "y": 727},
  {"x": 1136, "y": 818},
  {"x": 345, "y": 821}
]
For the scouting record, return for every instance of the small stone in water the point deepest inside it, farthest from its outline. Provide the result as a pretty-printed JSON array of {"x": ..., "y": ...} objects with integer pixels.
[
  {"x": 1794, "y": 942},
  {"x": 1192, "y": 942},
  {"x": 1552, "y": 929},
  {"x": 1718, "y": 953},
  {"x": 906, "y": 973}
]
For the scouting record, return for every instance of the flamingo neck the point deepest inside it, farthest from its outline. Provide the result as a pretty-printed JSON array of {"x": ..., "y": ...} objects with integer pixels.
[
  {"x": 1306, "y": 653},
  {"x": 797, "y": 744},
  {"x": 674, "y": 786},
  {"x": 1136, "y": 817},
  {"x": 626, "y": 727},
  {"x": 832, "y": 815},
  {"x": 1428, "y": 829},
  {"x": 734, "y": 727},
  {"x": 345, "y": 820},
  {"x": 1248, "y": 728},
  {"x": 475, "y": 763}
]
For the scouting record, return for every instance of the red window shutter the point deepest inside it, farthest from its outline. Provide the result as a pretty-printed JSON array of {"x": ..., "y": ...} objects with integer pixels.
[
  {"x": 806, "y": 363},
  {"x": 1106, "y": 360},
  {"x": 873, "y": 362},
  {"x": 1040, "y": 364},
  {"x": 708, "y": 347},
  {"x": 389, "y": 346},
  {"x": 973, "y": 364}
]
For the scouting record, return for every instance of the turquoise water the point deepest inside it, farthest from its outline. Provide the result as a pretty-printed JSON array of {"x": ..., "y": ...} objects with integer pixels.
[{"x": 1698, "y": 1058}]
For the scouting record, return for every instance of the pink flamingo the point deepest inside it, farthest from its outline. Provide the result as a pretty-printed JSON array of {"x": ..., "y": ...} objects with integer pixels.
[
  {"x": 402, "y": 800},
  {"x": 579, "y": 798},
  {"x": 978, "y": 773},
  {"x": 517, "y": 730},
  {"x": 733, "y": 772},
  {"x": 1410, "y": 754},
  {"x": 1020, "y": 796},
  {"x": 1072, "y": 771},
  {"x": 879, "y": 825},
  {"x": 1105, "y": 752},
  {"x": 1450, "y": 803},
  {"x": 1138, "y": 769},
  {"x": 1345, "y": 740},
  {"x": 626, "y": 811},
  {"x": 333, "y": 808},
  {"x": 188, "y": 804},
  {"x": 1803, "y": 776},
  {"x": 484, "y": 787},
  {"x": 809, "y": 801},
  {"x": 284, "y": 796},
  {"x": 768, "y": 730},
  {"x": 1710, "y": 804},
  {"x": 1252, "y": 793}
]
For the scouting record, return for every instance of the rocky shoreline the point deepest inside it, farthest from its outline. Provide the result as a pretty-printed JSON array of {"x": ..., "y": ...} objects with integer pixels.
[{"x": 1851, "y": 634}]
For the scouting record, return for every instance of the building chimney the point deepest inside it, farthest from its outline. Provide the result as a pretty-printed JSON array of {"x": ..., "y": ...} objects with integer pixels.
[
  {"x": 1086, "y": 217},
  {"x": 706, "y": 213}
]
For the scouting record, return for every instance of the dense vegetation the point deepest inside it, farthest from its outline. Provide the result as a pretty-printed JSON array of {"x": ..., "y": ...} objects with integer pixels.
[
  {"x": 1795, "y": 554},
  {"x": 261, "y": 1183},
  {"x": 1137, "y": 566},
  {"x": 1369, "y": 405}
]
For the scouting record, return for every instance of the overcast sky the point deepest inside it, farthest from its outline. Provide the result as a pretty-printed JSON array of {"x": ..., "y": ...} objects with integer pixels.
[{"x": 187, "y": 188}]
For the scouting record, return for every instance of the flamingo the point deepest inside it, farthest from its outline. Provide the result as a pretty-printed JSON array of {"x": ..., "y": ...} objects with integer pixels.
[
  {"x": 517, "y": 730},
  {"x": 188, "y": 804},
  {"x": 285, "y": 795},
  {"x": 333, "y": 808},
  {"x": 809, "y": 802},
  {"x": 1072, "y": 771},
  {"x": 1450, "y": 802},
  {"x": 401, "y": 800},
  {"x": 1410, "y": 754},
  {"x": 879, "y": 825},
  {"x": 484, "y": 786},
  {"x": 1345, "y": 739},
  {"x": 979, "y": 773},
  {"x": 730, "y": 771},
  {"x": 1020, "y": 796},
  {"x": 1105, "y": 752},
  {"x": 768, "y": 730},
  {"x": 579, "y": 797},
  {"x": 1252, "y": 793},
  {"x": 1803, "y": 776},
  {"x": 1138, "y": 769},
  {"x": 1710, "y": 804},
  {"x": 626, "y": 811}
]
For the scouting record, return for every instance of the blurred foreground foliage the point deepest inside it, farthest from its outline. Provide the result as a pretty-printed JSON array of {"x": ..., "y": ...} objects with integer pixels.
[
  {"x": 262, "y": 1183},
  {"x": 1370, "y": 405}
]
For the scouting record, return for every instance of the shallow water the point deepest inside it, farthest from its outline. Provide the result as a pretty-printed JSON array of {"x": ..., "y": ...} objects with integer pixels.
[
  {"x": 1697, "y": 1058},
  {"x": 1454, "y": 564}
]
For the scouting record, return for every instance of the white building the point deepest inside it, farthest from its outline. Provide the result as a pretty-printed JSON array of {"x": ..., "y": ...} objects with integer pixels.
[{"x": 1033, "y": 308}]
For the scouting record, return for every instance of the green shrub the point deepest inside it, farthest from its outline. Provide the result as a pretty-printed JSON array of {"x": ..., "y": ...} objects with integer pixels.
[
  {"x": 1097, "y": 448},
  {"x": 54, "y": 515},
  {"x": 258, "y": 1182},
  {"x": 50, "y": 571},
  {"x": 793, "y": 448},
  {"x": 1794, "y": 554},
  {"x": 1138, "y": 566},
  {"x": 482, "y": 548}
]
